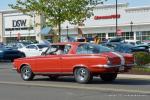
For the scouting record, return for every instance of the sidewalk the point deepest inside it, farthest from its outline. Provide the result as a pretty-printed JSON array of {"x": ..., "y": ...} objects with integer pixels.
[{"x": 134, "y": 76}]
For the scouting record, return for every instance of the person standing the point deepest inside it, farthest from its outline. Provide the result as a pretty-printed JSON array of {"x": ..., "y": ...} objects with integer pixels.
[{"x": 97, "y": 40}]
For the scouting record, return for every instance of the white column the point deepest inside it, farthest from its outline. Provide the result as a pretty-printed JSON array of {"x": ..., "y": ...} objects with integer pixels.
[
  {"x": 134, "y": 35},
  {"x": 106, "y": 35}
]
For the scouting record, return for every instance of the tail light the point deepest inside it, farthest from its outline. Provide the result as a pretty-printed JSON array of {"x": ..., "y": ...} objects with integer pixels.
[{"x": 108, "y": 61}]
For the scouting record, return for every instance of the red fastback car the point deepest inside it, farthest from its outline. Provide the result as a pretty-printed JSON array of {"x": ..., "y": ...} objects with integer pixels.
[{"x": 82, "y": 60}]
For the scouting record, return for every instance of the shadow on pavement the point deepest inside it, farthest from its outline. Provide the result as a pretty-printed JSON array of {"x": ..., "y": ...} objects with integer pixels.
[{"x": 99, "y": 81}]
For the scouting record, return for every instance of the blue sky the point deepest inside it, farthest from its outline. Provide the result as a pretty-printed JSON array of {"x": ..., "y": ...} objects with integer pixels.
[{"x": 132, "y": 3}]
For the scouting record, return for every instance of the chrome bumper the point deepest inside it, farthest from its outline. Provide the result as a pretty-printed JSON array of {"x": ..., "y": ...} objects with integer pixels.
[{"x": 111, "y": 66}]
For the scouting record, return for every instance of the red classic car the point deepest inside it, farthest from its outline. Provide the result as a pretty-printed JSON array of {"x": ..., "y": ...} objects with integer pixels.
[{"x": 83, "y": 60}]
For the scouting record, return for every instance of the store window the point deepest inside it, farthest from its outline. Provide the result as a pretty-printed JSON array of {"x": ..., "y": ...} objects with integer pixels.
[
  {"x": 128, "y": 35},
  {"x": 102, "y": 36},
  {"x": 145, "y": 35},
  {"x": 111, "y": 35}
]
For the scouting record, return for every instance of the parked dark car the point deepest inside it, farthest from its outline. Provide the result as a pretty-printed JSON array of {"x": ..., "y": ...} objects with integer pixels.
[
  {"x": 128, "y": 48},
  {"x": 10, "y": 54}
]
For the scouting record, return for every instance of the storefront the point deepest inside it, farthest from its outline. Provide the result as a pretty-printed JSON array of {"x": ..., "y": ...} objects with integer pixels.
[
  {"x": 18, "y": 26},
  {"x": 133, "y": 24}
]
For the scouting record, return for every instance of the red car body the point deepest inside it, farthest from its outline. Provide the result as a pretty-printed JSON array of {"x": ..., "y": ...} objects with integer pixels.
[{"x": 74, "y": 58}]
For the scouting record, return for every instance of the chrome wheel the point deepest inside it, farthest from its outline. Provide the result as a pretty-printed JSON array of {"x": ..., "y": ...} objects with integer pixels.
[
  {"x": 26, "y": 73},
  {"x": 82, "y": 75}
]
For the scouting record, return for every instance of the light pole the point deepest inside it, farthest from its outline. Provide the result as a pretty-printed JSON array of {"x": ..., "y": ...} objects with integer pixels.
[
  {"x": 116, "y": 16},
  {"x": 67, "y": 32},
  {"x": 131, "y": 25},
  {"x": 10, "y": 36}
]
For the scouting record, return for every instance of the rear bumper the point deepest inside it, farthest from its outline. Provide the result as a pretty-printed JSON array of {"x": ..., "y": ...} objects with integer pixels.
[{"x": 111, "y": 66}]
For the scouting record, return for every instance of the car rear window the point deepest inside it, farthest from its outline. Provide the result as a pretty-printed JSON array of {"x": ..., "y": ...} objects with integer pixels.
[{"x": 92, "y": 49}]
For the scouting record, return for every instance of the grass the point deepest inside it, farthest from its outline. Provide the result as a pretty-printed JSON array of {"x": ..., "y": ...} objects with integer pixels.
[{"x": 143, "y": 69}]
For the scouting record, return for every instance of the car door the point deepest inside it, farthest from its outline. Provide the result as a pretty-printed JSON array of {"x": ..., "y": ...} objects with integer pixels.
[
  {"x": 71, "y": 60},
  {"x": 66, "y": 60},
  {"x": 31, "y": 50},
  {"x": 49, "y": 63}
]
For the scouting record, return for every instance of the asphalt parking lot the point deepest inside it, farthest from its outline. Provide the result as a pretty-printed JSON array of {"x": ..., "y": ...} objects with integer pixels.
[{"x": 42, "y": 88}]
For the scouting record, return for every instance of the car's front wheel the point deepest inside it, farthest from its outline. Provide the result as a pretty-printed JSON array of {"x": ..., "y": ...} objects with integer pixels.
[
  {"x": 82, "y": 75},
  {"x": 108, "y": 76},
  {"x": 26, "y": 73}
]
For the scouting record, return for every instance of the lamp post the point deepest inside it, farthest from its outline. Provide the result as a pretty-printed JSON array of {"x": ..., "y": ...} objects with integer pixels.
[
  {"x": 67, "y": 32},
  {"x": 10, "y": 36},
  {"x": 131, "y": 25},
  {"x": 116, "y": 16}
]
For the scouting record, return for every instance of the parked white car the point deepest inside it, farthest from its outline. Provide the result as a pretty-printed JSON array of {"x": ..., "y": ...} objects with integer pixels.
[{"x": 34, "y": 49}]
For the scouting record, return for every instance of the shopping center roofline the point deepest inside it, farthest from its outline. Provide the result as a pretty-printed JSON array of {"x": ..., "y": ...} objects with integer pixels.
[
  {"x": 111, "y": 5},
  {"x": 138, "y": 8},
  {"x": 8, "y": 11},
  {"x": 113, "y": 25}
]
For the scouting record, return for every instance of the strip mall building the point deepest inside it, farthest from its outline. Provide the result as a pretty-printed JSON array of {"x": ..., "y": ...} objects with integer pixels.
[{"x": 133, "y": 24}]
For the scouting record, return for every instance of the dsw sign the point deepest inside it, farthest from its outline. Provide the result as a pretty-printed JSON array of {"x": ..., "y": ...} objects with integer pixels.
[{"x": 19, "y": 23}]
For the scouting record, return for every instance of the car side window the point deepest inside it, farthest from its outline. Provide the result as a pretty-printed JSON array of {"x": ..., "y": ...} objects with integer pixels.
[
  {"x": 86, "y": 49},
  {"x": 82, "y": 49},
  {"x": 55, "y": 50},
  {"x": 51, "y": 50},
  {"x": 66, "y": 49},
  {"x": 31, "y": 47}
]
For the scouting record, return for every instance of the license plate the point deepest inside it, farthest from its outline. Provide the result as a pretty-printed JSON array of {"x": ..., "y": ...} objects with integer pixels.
[{"x": 121, "y": 68}]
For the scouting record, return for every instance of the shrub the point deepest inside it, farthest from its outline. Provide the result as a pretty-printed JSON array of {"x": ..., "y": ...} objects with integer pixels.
[{"x": 142, "y": 58}]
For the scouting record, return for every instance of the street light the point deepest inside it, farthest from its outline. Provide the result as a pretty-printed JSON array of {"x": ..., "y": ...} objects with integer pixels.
[
  {"x": 131, "y": 25},
  {"x": 116, "y": 16},
  {"x": 10, "y": 36},
  {"x": 67, "y": 32}
]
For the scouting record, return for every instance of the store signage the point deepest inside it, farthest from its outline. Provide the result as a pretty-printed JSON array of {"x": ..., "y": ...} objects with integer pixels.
[
  {"x": 22, "y": 24},
  {"x": 19, "y": 23},
  {"x": 107, "y": 17}
]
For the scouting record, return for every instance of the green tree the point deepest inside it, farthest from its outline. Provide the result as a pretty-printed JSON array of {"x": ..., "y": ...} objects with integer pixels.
[{"x": 56, "y": 11}]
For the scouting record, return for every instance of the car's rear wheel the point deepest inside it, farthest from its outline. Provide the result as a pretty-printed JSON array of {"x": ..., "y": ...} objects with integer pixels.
[
  {"x": 108, "y": 76},
  {"x": 26, "y": 73},
  {"x": 82, "y": 75}
]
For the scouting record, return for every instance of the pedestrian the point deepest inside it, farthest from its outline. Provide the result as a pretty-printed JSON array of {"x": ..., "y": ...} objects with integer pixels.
[{"x": 97, "y": 40}]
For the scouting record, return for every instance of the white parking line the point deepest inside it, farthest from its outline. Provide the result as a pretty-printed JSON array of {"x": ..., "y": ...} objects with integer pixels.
[{"x": 84, "y": 87}]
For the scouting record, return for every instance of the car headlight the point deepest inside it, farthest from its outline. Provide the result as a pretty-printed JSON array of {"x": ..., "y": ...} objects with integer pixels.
[{"x": 1, "y": 51}]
